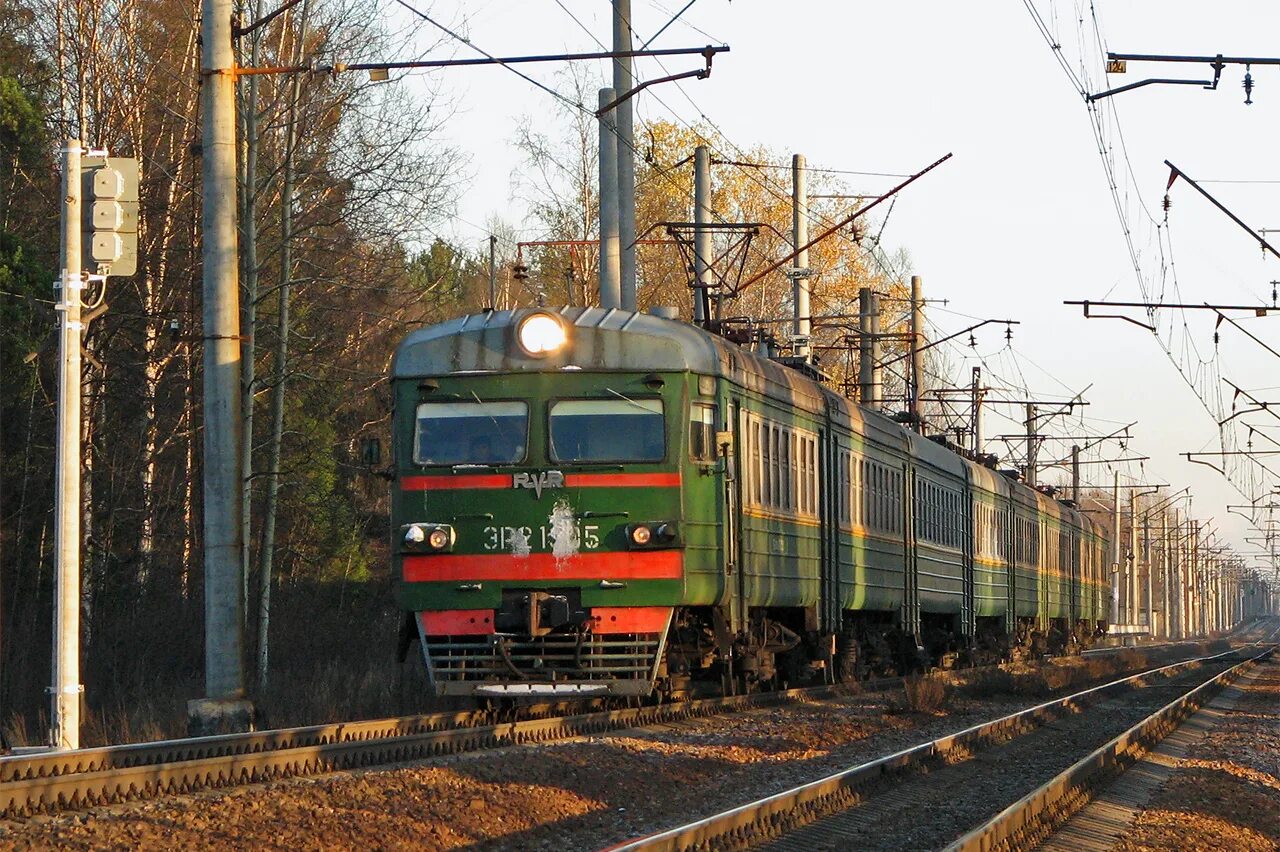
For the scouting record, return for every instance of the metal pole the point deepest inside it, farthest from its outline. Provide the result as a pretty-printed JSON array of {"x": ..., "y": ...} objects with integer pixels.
[
  {"x": 701, "y": 234},
  {"x": 1189, "y": 582},
  {"x": 802, "y": 326},
  {"x": 64, "y": 732},
  {"x": 493, "y": 272},
  {"x": 917, "y": 354},
  {"x": 222, "y": 707},
  {"x": 1031, "y": 445},
  {"x": 610, "y": 257},
  {"x": 1115, "y": 549},
  {"x": 1175, "y": 572},
  {"x": 1131, "y": 564},
  {"x": 624, "y": 115},
  {"x": 865, "y": 364},
  {"x": 1166, "y": 558},
  {"x": 1146, "y": 571},
  {"x": 977, "y": 410},
  {"x": 877, "y": 370},
  {"x": 1075, "y": 474}
]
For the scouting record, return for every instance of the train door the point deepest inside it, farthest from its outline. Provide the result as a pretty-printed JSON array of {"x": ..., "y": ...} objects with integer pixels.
[
  {"x": 831, "y": 492},
  {"x": 735, "y": 462},
  {"x": 1073, "y": 581},
  {"x": 910, "y": 510},
  {"x": 968, "y": 605},
  {"x": 1007, "y": 534}
]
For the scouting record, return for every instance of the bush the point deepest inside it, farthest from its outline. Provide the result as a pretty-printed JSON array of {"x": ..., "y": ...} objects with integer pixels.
[{"x": 923, "y": 694}]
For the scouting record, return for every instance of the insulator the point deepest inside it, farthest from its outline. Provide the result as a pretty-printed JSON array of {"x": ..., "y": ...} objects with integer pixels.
[
  {"x": 1248, "y": 86},
  {"x": 973, "y": 342},
  {"x": 1167, "y": 202}
]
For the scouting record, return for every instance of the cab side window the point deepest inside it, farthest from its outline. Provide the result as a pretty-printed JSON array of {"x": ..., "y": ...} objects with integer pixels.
[{"x": 702, "y": 432}]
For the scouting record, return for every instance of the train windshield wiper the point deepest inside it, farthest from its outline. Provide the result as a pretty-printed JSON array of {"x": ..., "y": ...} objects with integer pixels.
[{"x": 629, "y": 401}]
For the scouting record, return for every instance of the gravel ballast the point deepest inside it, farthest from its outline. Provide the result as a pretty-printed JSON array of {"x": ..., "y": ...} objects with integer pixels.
[
  {"x": 1226, "y": 793},
  {"x": 575, "y": 794}
]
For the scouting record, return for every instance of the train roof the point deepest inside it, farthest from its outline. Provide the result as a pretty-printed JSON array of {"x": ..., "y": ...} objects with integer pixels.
[{"x": 601, "y": 339}]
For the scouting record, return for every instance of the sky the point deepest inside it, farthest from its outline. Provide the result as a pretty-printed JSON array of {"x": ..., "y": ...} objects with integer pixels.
[{"x": 1020, "y": 219}]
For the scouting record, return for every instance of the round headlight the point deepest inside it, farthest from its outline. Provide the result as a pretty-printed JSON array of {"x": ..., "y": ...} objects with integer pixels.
[
  {"x": 641, "y": 535},
  {"x": 414, "y": 535},
  {"x": 665, "y": 533},
  {"x": 541, "y": 334},
  {"x": 438, "y": 539}
]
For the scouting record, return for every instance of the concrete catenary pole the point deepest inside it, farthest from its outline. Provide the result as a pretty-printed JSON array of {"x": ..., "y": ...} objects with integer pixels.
[
  {"x": 64, "y": 732},
  {"x": 801, "y": 327},
  {"x": 917, "y": 354},
  {"x": 610, "y": 256},
  {"x": 1031, "y": 445},
  {"x": 877, "y": 366},
  {"x": 1115, "y": 549},
  {"x": 624, "y": 114},
  {"x": 1189, "y": 580},
  {"x": 866, "y": 364},
  {"x": 223, "y": 706},
  {"x": 1131, "y": 564},
  {"x": 1170, "y": 559},
  {"x": 1148, "y": 585},
  {"x": 701, "y": 232},
  {"x": 976, "y": 395},
  {"x": 493, "y": 272},
  {"x": 1075, "y": 474},
  {"x": 1179, "y": 561}
]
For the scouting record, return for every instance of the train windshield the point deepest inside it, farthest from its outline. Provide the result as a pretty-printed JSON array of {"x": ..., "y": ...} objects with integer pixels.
[
  {"x": 471, "y": 432},
  {"x": 616, "y": 430}
]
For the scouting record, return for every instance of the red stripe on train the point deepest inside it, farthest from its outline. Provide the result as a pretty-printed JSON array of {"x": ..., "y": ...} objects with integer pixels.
[
  {"x": 572, "y": 480},
  {"x": 622, "y": 480},
  {"x": 457, "y": 622},
  {"x": 449, "y": 483},
  {"x": 604, "y": 620},
  {"x": 627, "y": 565},
  {"x": 629, "y": 619}
]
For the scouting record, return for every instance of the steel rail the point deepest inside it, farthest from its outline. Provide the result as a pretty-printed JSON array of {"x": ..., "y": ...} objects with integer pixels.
[
  {"x": 1038, "y": 814},
  {"x": 53, "y": 781},
  {"x": 773, "y": 815}
]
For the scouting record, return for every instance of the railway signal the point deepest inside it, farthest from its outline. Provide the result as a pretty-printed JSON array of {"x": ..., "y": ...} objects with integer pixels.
[{"x": 109, "y": 225}]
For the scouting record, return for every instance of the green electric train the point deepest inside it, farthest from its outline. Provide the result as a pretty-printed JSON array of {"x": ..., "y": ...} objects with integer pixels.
[{"x": 593, "y": 502}]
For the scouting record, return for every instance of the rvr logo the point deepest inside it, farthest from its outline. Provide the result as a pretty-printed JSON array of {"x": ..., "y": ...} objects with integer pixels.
[{"x": 538, "y": 481}]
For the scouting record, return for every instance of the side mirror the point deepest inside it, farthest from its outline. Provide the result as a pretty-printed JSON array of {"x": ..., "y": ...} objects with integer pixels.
[
  {"x": 724, "y": 442},
  {"x": 370, "y": 452}
]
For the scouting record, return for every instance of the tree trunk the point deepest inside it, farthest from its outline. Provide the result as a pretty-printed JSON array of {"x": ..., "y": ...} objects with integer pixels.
[
  {"x": 249, "y": 297},
  {"x": 265, "y": 554}
]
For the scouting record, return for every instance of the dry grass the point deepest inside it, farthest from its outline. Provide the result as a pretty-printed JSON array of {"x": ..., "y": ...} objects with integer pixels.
[
  {"x": 332, "y": 659},
  {"x": 921, "y": 694},
  {"x": 1052, "y": 679}
]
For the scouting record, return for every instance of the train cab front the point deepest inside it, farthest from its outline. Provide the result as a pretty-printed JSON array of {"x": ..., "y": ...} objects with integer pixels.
[{"x": 538, "y": 531}]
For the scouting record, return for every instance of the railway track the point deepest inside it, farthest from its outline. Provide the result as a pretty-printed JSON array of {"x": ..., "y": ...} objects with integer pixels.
[
  {"x": 1037, "y": 815},
  {"x": 58, "y": 781},
  {"x": 958, "y": 780}
]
